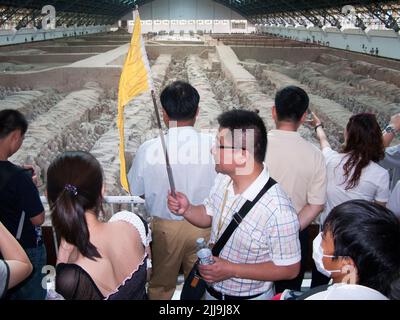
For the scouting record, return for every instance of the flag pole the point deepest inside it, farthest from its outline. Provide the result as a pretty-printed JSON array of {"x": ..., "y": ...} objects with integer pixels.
[
  {"x": 127, "y": 92},
  {"x": 169, "y": 170}
]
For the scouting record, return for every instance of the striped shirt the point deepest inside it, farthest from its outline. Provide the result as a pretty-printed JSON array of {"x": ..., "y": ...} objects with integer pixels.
[{"x": 269, "y": 232}]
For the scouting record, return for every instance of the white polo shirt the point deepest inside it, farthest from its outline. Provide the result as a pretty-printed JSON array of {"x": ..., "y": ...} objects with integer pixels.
[
  {"x": 192, "y": 164},
  {"x": 269, "y": 232},
  {"x": 373, "y": 184}
]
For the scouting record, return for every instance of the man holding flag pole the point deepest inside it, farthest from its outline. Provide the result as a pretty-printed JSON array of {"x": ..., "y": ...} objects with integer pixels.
[{"x": 183, "y": 151}]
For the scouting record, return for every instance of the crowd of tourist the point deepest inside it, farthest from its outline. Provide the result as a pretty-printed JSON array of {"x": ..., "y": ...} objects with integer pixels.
[{"x": 271, "y": 185}]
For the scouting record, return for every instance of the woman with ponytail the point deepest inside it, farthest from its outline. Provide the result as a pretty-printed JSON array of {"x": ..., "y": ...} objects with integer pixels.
[{"x": 96, "y": 260}]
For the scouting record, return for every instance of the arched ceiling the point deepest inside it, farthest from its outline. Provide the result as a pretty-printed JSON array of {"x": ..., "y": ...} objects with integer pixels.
[
  {"x": 89, "y": 12},
  {"x": 317, "y": 12}
]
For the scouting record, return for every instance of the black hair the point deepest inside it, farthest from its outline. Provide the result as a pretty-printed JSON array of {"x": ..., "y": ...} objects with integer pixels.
[
  {"x": 180, "y": 101},
  {"x": 369, "y": 234},
  {"x": 244, "y": 119},
  {"x": 363, "y": 144},
  {"x": 74, "y": 185},
  {"x": 291, "y": 102},
  {"x": 11, "y": 120}
]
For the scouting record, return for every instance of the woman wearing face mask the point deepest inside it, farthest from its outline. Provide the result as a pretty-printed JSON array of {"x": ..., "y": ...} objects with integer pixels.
[{"x": 359, "y": 248}]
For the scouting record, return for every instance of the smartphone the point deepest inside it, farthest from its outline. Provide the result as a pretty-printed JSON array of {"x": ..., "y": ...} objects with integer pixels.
[{"x": 309, "y": 115}]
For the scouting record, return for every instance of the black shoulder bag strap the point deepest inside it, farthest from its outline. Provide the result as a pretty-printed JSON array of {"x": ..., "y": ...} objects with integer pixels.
[{"x": 238, "y": 217}]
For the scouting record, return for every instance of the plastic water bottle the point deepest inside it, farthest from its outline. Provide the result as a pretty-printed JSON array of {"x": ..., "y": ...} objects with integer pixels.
[
  {"x": 201, "y": 243},
  {"x": 205, "y": 256}
]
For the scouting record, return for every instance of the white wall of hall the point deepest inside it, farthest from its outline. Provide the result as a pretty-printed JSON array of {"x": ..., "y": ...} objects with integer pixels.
[
  {"x": 177, "y": 15},
  {"x": 353, "y": 39},
  {"x": 24, "y": 35}
]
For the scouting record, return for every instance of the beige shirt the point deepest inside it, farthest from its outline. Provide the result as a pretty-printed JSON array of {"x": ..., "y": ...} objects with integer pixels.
[{"x": 298, "y": 166}]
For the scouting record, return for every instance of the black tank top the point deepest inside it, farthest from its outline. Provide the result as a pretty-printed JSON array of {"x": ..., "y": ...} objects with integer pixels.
[{"x": 74, "y": 283}]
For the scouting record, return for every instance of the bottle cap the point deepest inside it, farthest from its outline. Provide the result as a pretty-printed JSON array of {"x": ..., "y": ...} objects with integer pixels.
[{"x": 200, "y": 241}]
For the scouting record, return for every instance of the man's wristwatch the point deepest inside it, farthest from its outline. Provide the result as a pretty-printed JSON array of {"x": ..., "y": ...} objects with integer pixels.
[{"x": 390, "y": 129}]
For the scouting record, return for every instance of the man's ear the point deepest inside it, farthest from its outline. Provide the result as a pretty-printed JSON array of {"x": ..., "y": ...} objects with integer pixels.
[
  {"x": 14, "y": 135},
  {"x": 348, "y": 267},
  {"x": 197, "y": 112},
  {"x": 303, "y": 117},
  {"x": 241, "y": 158},
  {"x": 348, "y": 261},
  {"x": 165, "y": 117},
  {"x": 245, "y": 162},
  {"x": 274, "y": 115}
]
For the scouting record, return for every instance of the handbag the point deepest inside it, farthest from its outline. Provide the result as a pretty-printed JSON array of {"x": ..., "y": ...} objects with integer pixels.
[{"x": 195, "y": 286}]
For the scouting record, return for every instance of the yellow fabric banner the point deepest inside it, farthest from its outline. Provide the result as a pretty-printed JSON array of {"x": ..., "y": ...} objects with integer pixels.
[{"x": 135, "y": 79}]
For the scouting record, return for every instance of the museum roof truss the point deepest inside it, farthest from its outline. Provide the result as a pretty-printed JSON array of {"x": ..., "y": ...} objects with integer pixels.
[{"x": 318, "y": 13}]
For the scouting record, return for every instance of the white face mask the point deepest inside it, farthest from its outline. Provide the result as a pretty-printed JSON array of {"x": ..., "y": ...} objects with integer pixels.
[{"x": 318, "y": 254}]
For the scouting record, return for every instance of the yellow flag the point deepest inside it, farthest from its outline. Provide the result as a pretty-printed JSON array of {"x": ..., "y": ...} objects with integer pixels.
[{"x": 135, "y": 79}]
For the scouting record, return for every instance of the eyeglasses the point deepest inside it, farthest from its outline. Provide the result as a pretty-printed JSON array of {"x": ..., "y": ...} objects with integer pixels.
[{"x": 219, "y": 146}]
